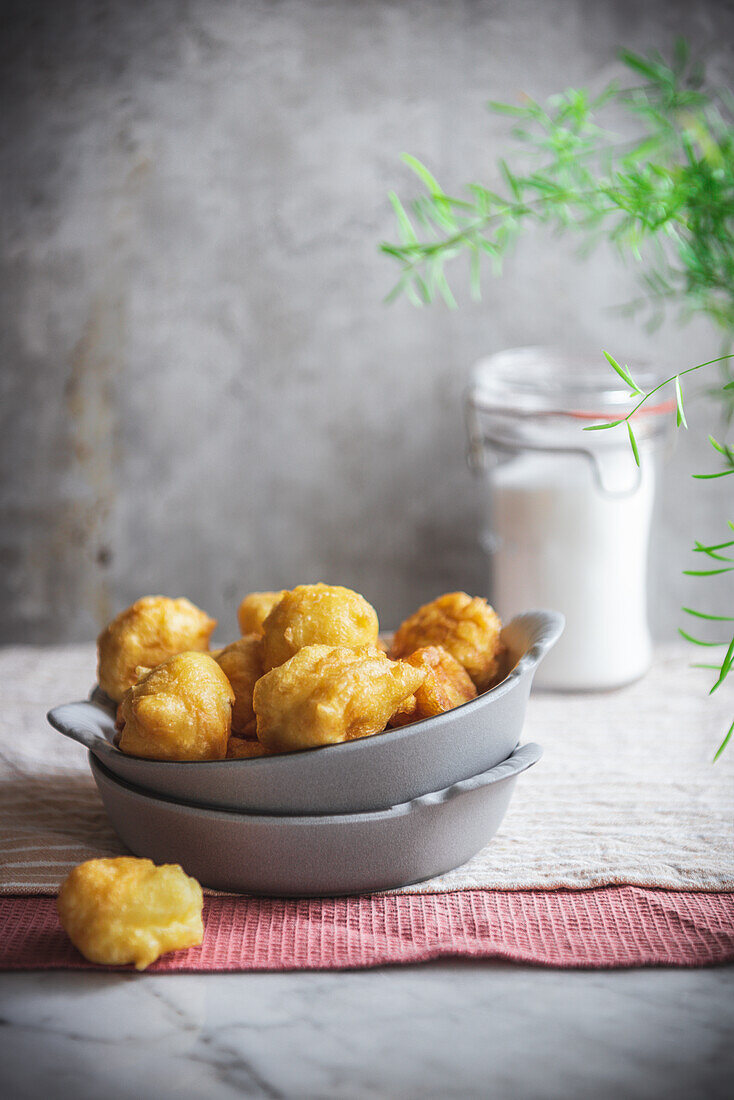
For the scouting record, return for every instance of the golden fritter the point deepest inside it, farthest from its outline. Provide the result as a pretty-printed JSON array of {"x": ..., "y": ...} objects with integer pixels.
[
  {"x": 467, "y": 627},
  {"x": 447, "y": 685},
  {"x": 255, "y": 608},
  {"x": 327, "y": 694},
  {"x": 241, "y": 748},
  {"x": 153, "y": 628},
  {"x": 181, "y": 710},
  {"x": 242, "y": 665},
  {"x": 125, "y": 910},
  {"x": 317, "y": 614}
]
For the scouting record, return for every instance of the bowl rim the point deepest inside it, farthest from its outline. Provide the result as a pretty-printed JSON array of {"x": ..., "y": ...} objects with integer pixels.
[
  {"x": 548, "y": 628},
  {"x": 522, "y": 758}
]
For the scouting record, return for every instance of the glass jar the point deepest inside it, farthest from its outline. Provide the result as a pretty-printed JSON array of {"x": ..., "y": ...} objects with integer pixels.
[{"x": 568, "y": 512}]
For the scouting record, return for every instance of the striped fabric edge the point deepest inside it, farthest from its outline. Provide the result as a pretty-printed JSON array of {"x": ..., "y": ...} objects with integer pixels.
[
  {"x": 604, "y": 928},
  {"x": 47, "y": 882}
]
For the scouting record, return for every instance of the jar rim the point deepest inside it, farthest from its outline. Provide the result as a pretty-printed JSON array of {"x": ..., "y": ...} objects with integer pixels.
[{"x": 536, "y": 380}]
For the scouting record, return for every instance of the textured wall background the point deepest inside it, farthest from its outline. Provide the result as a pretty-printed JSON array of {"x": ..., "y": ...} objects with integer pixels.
[{"x": 202, "y": 390}]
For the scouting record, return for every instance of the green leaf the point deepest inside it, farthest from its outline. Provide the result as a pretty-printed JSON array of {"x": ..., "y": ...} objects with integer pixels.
[
  {"x": 718, "y": 546},
  {"x": 441, "y": 284},
  {"x": 680, "y": 54},
  {"x": 602, "y": 427},
  {"x": 704, "y": 615},
  {"x": 510, "y": 179},
  {"x": 508, "y": 109},
  {"x": 708, "y": 477},
  {"x": 422, "y": 172},
  {"x": 422, "y": 288},
  {"x": 710, "y": 551},
  {"x": 697, "y": 641},
  {"x": 633, "y": 443},
  {"x": 680, "y": 415},
  {"x": 724, "y": 743},
  {"x": 718, "y": 447},
  {"x": 726, "y": 665},
  {"x": 392, "y": 250},
  {"x": 642, "y": 151},
  {"x": 623, "y": 373},
  {"x": 475, "y": 271},
  {"x": 413, "y": 296},
  {"x": 397, "y": 290},
  {"x": 707, "y": 572},
  {"x": 640, "y": 65},
  {"x": 404, "y": 222},
  {"x": 728, "y": 386}
]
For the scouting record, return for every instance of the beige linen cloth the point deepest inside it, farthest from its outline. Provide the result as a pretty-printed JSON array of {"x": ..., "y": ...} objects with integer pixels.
[{"x": 625, "y": 792}]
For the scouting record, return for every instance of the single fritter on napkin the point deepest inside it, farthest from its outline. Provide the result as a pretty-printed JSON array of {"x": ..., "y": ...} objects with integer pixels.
[{"x": 126, "y": 910}]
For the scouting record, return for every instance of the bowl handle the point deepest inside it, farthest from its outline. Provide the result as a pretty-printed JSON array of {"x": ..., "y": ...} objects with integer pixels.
[
  {"x": 538, "y": 632},
  {"x": 91, "y": 725},
  {"x": 519, "y": 761}
]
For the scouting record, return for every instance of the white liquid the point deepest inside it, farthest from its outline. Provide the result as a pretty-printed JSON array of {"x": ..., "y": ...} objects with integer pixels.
[{"x": 561, "y": 543}]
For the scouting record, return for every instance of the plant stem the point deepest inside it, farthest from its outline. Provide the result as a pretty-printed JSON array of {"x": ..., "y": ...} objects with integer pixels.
[{"x": 679, "y": 374}]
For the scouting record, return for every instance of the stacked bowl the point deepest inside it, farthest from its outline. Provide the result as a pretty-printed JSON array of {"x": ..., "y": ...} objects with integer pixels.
[{"x": 366, "y": 815}]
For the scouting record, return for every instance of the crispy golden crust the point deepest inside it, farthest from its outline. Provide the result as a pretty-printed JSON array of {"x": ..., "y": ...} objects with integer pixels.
[
  {"x": 255, "y": 608},
  {"x": 242, "y": 665},
  {"x": 317, "y": 614},
  {"x": 326, "y": 694},
  {"x": 447, "y": 685},
  {"x": 242, "y": 748},
  {"x": 181, "y": 710},
  {"x": 125, "y": 910},
  {"x": 153, "y": 628},
  {"x": 467, "y": 627}
]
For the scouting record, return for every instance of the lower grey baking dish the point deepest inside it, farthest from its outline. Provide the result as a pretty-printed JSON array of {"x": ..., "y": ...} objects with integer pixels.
[
  {"x": 359, "y": 776},
  {"x": 316, "y": 855}
]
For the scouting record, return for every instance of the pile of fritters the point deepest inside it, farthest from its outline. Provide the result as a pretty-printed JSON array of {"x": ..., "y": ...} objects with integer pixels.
[{"x": 309, "y": 670}]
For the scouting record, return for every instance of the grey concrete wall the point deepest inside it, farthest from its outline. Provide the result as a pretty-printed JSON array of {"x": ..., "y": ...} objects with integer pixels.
[{"x": 202, "y": 391}]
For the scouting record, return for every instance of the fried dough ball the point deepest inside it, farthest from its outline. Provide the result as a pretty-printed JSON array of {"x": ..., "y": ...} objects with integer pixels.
[
  {"x": 467, "y": 627},
  {"x": 181, "y": 710},
  {"x": 327, "y": 694},
  {"x": 153, "y": 628},
  {"x": 317, "y": 614},
  {"x": 242, "y": 665},
  {"x": 242, "y": 748},
  {"x": 255, "y": 608},
  {"x": 125, "y": 910},
  {"x": 447, "y": 685}
]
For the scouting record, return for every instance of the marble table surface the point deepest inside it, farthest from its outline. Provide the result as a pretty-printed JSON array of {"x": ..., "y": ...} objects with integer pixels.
[{"x": 440, "y": 1030}]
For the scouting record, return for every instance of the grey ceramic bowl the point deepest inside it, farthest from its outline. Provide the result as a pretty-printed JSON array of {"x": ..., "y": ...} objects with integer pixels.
[
  {"x": 315, "y": 855},
  {"x": 358, "y": 776}
]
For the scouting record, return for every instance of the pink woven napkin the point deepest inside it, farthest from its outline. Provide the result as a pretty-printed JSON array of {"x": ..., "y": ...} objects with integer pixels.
[{"x": 602, "y": 928}]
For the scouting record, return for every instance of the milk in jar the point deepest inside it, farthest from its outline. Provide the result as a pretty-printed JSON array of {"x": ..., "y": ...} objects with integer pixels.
[{"x": 568, "y": 512}]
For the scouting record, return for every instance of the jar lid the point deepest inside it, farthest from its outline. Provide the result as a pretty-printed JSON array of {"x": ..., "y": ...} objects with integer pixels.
[{"x": 539, "y": 380}]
